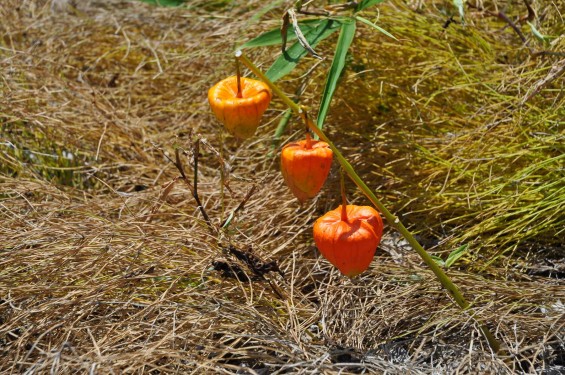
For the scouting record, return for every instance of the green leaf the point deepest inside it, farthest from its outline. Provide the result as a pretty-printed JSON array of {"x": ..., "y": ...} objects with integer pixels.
[
  {"x": 438, "y": 260},
  {"x": 228, "y": 221},
  {"x": 536, "y": 33},
  {"x": 366, "y": 21},
  {"x": 289, "y": 59},
  {"x": 273, "y": 37},
  {"x": 456, "y": 254},
  {"x": 367, "y": 3},
  {"x": 460, "y": 8},
  {"x": 344, "y": 41},
  {"x": 165, "y": 3}
]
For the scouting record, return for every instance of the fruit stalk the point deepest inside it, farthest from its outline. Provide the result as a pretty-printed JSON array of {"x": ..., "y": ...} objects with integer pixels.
[
  {"x": 238, "y": 75},
  {"x": 308, "y": 140}
]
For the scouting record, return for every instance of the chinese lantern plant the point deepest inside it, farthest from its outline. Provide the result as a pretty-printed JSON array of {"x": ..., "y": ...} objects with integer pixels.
[
  {"x": 348, "y": 236},
  {"x": 331, "y": 241},
  {"x": 305, "y": 166},
  {"x": 239, "y": 103}
]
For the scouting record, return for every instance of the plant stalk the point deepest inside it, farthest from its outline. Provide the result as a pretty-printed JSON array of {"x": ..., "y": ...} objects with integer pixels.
[
  {"x": 238, "y": 78},
  {"x": 393, "y": 220},
  {"x": 308, "y": 144},
  {"x": 343, "y": 196}
]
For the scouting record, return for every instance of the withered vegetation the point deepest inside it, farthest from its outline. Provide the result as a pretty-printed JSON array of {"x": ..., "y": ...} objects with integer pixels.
[{"x": 107, "y": 264}]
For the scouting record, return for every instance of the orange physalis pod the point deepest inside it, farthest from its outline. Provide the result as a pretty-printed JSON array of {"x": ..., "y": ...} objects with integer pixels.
[
  {"x": 241, "y": 112},
  {"x": 348, "y": 238},
  {"x": 305, "y": 165}
]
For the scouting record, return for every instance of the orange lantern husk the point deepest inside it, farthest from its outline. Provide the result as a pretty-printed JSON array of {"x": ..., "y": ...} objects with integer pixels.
[
  {"x": 349, "y": 238},
  {"x": 305, "y": 166},
  {"x": 240, "y": 114}
]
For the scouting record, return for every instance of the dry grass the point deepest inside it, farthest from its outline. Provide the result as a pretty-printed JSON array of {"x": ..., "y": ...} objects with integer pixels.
[{"x": 100, "y": 275}]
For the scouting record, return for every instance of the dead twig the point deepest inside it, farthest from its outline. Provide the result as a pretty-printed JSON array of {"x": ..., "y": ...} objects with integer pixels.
[
  {"x": 514, "y": 27},
  {"x": 239, "y": 207},
  {"x": 192, "y": 187},
  {"x": 196, "y": 152},
  {"x": 301, "y": 38},
  {"x": 529, "y": 17},
  {"x": 531, "y": 13},
  {"x": 167, "y": 188},
  {"x": 255, "y": 264},
  {"x": 556, "y": 71}
]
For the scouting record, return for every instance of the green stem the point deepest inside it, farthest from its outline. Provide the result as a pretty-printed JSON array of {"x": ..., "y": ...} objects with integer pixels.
[
  {"x": 343, "y": 196},
  {"x": 393, "y": 221}
]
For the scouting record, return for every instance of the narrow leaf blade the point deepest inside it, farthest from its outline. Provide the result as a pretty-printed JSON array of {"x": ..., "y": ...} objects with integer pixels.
[
  {"x": 274, "y": 37},
  {"x": 281, "y": 128},
  {"x": 367, "y": 3},
  {"x": 459, "y": 5},
  {"x": 265, "y": 9},
  {"x": 456, "y": 254},
  {"x": 343, "y": 43},
  {"x": 165, "y": 3},
  {"x": 438, "y": 260},
  {"x": 536, "y": 32},
  {"x": 288, "y": 60},
  {"x": 228, "y": 221},
  {"x": 377, "y": 27}
]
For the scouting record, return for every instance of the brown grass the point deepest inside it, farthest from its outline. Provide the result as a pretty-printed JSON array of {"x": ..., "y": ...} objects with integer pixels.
[{"x": 99, "y": 273}]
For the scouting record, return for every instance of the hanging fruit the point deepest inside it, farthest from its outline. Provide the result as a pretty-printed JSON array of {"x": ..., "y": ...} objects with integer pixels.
[
  {"x": 348, "y": 237},
  {"x": 305, "y": 165},
  {"x": 239, "y": 106}
]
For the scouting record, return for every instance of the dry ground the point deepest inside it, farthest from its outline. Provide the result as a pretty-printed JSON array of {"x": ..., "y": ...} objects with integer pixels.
[{"x": 103, "y": 272}]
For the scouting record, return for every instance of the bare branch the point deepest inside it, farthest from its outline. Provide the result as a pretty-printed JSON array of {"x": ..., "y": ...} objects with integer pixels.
[{"x": 556, "y": 71}]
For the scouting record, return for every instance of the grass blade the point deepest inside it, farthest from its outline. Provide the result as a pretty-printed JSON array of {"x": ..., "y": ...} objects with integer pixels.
[
  {"x": 164, "y": 3},
  {"x": 459, "y": 5},
  {"x": 440, "y": 262},
  {"x": 456, "y": 254},
  {"x": 344, "y": 41},
  {"x": 366, "y": 21},
  {"x": 273, "y": 36},
  {"x": 367, "y": 3},
  {"x": 264, "y": 10},
  {"x": 536, "y": 33}
]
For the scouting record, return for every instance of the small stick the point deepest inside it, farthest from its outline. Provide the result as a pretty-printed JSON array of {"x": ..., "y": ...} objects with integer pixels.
[
  {"x": 193, "y": 189},
  {"x": 531, "y": 13},
  {"x": 179, "y": 166},
  {"x": 556, "y": 71},
  {"x": 222, "y": 176},
  {"x": 308, "y": 136},
  {"x": 240, "y": 206},
  {"x": 301, "y": 39},
  {"x": 167, "y": 188},
  {"x": 503, "y": 16},
  {"x": 196, "y": 151}
]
